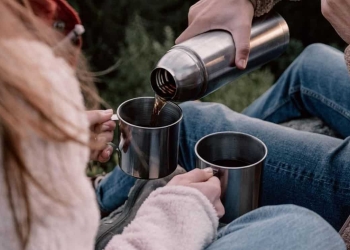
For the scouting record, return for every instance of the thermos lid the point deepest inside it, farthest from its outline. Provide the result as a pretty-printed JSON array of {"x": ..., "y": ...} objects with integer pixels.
[{"x": 179, "y": 75}]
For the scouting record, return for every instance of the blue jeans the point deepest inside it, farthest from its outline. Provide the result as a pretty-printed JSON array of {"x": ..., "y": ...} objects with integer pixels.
[
  {"x": 316, "y": 84},
  {"x": 306, "y": 169},
  {"x": 286, "y": 227}
]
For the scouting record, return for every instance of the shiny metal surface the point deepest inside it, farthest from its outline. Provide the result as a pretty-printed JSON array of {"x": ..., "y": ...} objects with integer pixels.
[
  {"x": 201, "y": 65},
  {"x": 240, "y": 186},
  {"x": 148, "y": 152}
]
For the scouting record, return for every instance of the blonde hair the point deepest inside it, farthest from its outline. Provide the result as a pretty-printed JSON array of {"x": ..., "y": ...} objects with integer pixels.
[{"x": 18, "y": 21}]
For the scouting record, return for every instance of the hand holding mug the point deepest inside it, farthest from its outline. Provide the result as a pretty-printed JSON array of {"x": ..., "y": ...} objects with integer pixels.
[
  {"x": 205, "y": 182},
  {"x": 102, "y": 129}
]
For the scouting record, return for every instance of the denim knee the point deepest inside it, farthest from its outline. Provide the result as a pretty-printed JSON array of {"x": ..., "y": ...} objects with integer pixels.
[
  {"x": 292, "y": 214},
  {"x": 317, "y": 53},
  {"x": 316, "y": 59},
  {"x": 203, "y": 110},
  {"x": 193, "y": 108},
  {"x": 296, "y": 216},
  {"x": 315, "y": 50},
  {"x": 304, "y": 221},
  {"x": 280, "y": 227}
]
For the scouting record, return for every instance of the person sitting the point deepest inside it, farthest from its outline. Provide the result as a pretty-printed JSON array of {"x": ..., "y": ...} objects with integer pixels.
[
  {"x": 47, "y": 201},
  {"x": 304, "y": 169}
]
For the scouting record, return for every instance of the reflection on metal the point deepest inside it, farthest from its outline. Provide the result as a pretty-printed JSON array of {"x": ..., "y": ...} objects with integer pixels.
[{"x": 201, "y": 65}]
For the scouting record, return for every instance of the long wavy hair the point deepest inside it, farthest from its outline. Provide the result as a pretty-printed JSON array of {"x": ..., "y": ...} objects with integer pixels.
[{"x": 18, "y": 21}]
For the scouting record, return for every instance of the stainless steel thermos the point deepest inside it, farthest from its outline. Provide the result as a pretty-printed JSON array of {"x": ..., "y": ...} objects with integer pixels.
[{"x": 201, "y": 65}]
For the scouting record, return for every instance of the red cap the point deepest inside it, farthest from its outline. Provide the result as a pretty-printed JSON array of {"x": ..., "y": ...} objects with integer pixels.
[{"x": 57, "y": 13}]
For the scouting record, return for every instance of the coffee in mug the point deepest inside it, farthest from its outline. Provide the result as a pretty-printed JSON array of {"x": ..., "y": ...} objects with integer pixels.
[
  {"x": 237, "y": 160},
  {"x": 146, "y": 150}
]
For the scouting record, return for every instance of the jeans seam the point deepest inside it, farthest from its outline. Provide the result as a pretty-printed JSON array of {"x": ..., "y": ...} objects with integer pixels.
[
  {"x": 283, "y": 102},
  {"x": 271, "y": 110},
  {"x": 318, "y": 180},
  {"x": 294, "y": 90},
  {"x": 326, "y": 102}
]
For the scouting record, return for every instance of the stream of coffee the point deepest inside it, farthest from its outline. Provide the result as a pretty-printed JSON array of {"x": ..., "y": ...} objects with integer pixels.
[{"x": 159, "y": 103}]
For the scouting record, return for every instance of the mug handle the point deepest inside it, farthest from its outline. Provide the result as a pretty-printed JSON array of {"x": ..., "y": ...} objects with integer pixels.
[{"x": 121, "y": 143}]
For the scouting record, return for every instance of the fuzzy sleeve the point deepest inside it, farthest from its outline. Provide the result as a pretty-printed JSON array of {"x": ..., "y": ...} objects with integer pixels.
[
  {"x": 173, "y": 217},
  {"x": 347, "y": 57}
]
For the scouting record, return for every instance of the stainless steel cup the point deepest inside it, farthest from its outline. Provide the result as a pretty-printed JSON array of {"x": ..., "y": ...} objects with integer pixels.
[
  {"x": 147, "y": 152},
  {"x": 240, "y": 184}
]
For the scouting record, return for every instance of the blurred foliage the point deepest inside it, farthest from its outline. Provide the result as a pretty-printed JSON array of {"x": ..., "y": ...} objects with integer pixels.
[
  {"x": 96, "y": 168},
  {"x": 243, "y": 91},
  {"x": 132, "y": 35},
  {"x": 137, "y": 59},
  {"x": 280, "y": 64}
]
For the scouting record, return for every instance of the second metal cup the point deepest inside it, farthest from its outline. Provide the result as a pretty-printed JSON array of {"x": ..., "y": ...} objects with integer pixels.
[{"x": 237, "y": 160}]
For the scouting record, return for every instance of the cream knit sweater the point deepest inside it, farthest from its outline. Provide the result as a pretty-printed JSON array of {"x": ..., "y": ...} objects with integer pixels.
[
  {"x": 58, "y": 166},
  {"x": 171, "y": 218}
]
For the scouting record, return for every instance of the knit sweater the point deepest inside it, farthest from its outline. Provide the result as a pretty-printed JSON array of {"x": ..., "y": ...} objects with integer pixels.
[
  {"x": 171, "y": 218},
  {"x": 347, "y": 57},
  {"x": 60, "y": 167}
]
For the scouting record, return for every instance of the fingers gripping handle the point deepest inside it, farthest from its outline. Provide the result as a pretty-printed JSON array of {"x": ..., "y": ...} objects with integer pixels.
[
  {"x": 121, "y": 143},
  {"x": 114, "y": 117}
]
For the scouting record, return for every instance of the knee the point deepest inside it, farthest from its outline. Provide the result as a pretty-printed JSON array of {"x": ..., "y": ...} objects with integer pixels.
[
  {"x": 280, "y": 227},
  {"x": 190, "y": 107},
  {"x": 316, "y": 60},
  {"x": 195, "y": 110},
  {"x": 296, "y": 216},
  {"x": 303, "y": 222},
  {"x": 316, "y": 49},
  {"x": 195, "y": 107},
  {"x": 295, "y": 213},
  {"x": 316, "y": 56},
  {"x": 205, "y": 115}
]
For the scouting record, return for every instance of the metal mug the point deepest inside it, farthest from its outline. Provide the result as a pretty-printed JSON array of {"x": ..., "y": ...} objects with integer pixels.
[
  {"x": 240, "y": 185},
  {"x": 143, "y": 151}
]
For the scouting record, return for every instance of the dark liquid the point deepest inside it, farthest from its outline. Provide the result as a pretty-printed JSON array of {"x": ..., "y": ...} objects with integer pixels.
[
  {"x": 230, "y": 163},
  {"x": 159, "y": 103}
]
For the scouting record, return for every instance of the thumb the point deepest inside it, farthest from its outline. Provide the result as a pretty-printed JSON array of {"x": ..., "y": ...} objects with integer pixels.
[
  {"x": 198, "y": 175},
  {"x": 241, "y": 38},
  {"x": 99, "y": 116}
]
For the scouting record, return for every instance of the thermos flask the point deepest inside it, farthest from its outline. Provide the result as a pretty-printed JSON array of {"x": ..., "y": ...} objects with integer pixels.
[{"x": 201, "y": 65}]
